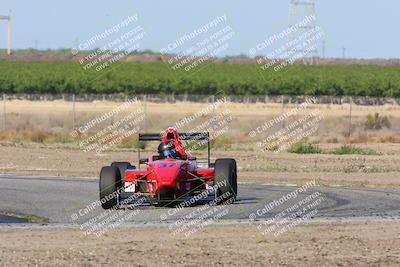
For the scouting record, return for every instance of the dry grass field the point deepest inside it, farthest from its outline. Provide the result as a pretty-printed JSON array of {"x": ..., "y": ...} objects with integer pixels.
[{"x": 24, "y": 119}]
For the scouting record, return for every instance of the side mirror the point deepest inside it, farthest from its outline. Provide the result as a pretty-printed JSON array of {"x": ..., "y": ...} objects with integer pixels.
[{"x": 143, "y": 161}]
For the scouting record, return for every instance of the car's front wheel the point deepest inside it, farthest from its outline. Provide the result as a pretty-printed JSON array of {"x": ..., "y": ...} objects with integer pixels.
[{"x": 110, "y": 180}]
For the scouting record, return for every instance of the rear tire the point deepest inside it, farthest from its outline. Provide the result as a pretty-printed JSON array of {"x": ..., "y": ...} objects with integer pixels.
[
  {"x": 110, "y": 179},
  {"x": 225, "y": 175}
]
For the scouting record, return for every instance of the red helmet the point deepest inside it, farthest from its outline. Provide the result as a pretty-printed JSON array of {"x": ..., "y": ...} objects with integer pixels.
[{"x": 170, "y": 134}]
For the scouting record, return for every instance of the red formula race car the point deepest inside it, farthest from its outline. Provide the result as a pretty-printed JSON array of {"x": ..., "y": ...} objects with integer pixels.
[{"x": 169, "y": 176}]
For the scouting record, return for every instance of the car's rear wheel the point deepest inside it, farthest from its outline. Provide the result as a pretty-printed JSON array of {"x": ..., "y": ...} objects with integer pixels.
[
  {"x": 225, "y": 180},
  {"x": 234, "y": 184},
  {"x": 110, "y": 180}
]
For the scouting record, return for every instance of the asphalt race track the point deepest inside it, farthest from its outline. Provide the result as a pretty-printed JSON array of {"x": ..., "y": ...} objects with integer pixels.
[{"x": 66, "y": 200}]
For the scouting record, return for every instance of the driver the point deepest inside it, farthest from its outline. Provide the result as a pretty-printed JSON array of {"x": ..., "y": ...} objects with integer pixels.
[
  {"x": 171, "y": 135},
  {"x": 167, "y": 150}
]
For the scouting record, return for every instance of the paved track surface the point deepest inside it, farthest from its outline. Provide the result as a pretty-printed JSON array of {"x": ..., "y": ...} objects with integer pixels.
[{"x": 67, "y": 200}]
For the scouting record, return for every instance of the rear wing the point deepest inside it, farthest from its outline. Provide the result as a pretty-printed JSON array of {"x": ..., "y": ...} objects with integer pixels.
[{"x": 182, "y": 136}]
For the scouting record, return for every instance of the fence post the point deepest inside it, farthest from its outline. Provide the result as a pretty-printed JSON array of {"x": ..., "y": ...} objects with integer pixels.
[
  {"x": 213, "y": 112},
  {"x": 4, "y": 111},
  {"x": 73, "y": 112},
  {"x": 351, "y": 103},
  {"x": 145, "y": 113},
  {"x": 282, "y": 109}
]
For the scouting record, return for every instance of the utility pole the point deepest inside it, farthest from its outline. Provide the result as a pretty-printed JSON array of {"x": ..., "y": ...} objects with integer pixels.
[
  {"x": 350, "y": 110},
  {"x": 282, "y": 109},
  {"x": 8, "y": 18},
  {"x": 145, "y": 113},
  {"x": 73, "y": 112},
  {"x": 323, "y": 48},
  {"x": 4, "y": 111},
  {"x": 343, "y": 52}
]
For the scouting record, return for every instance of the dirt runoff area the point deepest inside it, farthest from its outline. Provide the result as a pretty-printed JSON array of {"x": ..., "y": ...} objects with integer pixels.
[{"x": 367, "y": 244}]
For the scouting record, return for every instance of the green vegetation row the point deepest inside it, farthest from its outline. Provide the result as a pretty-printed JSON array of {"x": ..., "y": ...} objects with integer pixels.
[{"x": 63, "y": 77}]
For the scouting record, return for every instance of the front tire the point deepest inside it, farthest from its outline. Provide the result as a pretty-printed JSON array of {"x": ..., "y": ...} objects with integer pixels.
[
  {"x": 110, "y": 180},
  {"x": 225, "y": 177},
  {"x": 122, "y": 167}
]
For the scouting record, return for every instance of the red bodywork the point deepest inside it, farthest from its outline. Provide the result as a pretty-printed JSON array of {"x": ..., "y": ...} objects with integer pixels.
[
  {"x": 177, "y": 177},
  {"x": 182, "y": 175}
]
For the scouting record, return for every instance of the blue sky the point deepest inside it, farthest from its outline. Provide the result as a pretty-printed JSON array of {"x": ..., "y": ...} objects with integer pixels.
[{"x": 368, "y": 29}]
